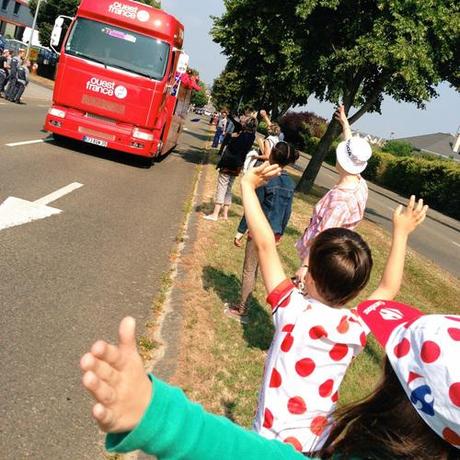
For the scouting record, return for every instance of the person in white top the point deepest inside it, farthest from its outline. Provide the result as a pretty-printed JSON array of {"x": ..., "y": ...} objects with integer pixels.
[{"x": 316, "y": 335}]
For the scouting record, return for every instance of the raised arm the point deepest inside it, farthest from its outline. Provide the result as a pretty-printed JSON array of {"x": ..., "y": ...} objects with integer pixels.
[
  {"x": 259, "y": 228},
  {"x": 343, "y": 120},
  {"x": 404, "y": 223}
]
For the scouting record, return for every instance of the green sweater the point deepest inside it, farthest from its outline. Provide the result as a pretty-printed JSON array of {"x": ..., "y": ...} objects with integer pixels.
[{"x": 175, "y": 428}]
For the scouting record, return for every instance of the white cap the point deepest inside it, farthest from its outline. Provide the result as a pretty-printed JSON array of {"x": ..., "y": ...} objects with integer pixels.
[{"x": 353, "y": 155}]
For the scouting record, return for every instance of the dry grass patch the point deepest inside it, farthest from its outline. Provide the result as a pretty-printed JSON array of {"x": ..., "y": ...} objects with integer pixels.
[{"x": 221, "y": 362}]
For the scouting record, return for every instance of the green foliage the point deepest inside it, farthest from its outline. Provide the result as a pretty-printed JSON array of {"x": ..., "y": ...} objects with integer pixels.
[
  {"x": 300, "y": 127},
  {"x": 200, "y": 98},
  {"x": 227, "y": 90},
  {"x": 263, "y": 128},
  {"x": 154, "y": 3},
  {"x": 398, "y": 148},
  {"x": 48, "y": 13},
  {"x": 436, "y": 181},
  {"x": 341, "y": 51}
]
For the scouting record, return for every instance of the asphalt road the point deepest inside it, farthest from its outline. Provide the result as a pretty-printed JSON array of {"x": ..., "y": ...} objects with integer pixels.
[{"x": 68, "y": 279}]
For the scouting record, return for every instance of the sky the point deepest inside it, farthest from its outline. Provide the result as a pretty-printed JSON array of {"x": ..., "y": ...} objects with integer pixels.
[{"x": 442, "y": 114}]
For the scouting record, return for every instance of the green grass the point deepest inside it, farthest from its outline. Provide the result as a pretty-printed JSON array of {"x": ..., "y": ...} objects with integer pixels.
[{"x": 222, "y": 361}]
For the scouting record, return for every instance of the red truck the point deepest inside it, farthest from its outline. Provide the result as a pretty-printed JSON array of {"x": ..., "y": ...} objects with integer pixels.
[{"x": 118, "y": 83}]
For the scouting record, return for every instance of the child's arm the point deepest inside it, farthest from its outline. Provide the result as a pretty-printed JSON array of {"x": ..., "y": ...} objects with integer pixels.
[
  {"x": 343, "y": 120},
  {"x": 404, "y": 222},
  {"x": 147, "y": 414},
  {"x": 261, "y": 232}
]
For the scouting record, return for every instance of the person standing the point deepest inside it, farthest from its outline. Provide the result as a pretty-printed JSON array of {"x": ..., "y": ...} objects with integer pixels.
[
  {"x": 220, "y": 129},
  {"x": 344, "y": 205},
  {"x": 5, "y": 60},
  {"x": 275, "y": 198},
  {"x": 22, "y": 80},
  {"x": 230, "y": 166},
  {"x": 233, "y": 126},
  {"x": 16, "y": 62}
]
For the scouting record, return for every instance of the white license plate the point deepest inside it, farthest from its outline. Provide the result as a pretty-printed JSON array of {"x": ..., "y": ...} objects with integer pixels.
[{"x": 92, "y": 140}]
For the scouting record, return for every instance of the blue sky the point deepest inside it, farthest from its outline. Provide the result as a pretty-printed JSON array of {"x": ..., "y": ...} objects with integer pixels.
[{"x": 441, "y": 114}]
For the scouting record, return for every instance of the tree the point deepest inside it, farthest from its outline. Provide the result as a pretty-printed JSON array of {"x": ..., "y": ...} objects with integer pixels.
[
  {"x": 200, "y": 98},
  {"x": 228, "y": 91},
  {"x": 259, "y": 40},
  {"x": 352, "y": 52},
  {"x": 51, "y": 9},
  {"x": 48, "y": 13}
]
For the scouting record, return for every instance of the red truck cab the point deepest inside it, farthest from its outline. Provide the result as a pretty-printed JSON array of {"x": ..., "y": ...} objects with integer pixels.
[{"x": 116, "y": 84}]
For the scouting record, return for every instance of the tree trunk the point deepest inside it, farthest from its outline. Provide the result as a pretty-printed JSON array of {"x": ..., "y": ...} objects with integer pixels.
[{"x": 309, "y": 175}]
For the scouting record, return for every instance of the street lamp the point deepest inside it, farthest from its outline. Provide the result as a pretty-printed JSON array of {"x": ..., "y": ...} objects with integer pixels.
[{"x": 34, "y": 24}]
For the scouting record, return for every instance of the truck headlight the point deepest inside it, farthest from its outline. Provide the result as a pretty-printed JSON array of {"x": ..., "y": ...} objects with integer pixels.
[{"x": 56, "y": 112}]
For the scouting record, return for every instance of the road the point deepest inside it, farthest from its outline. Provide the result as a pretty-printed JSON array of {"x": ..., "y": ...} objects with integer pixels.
[{"x": 69, "y": 279}]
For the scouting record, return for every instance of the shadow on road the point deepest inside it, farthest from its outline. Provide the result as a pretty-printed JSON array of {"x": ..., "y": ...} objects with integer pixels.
[{"x": 102, "y": 152}]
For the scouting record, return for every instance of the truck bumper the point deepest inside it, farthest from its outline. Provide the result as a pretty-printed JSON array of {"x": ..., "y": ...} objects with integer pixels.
[{"x": 100, "y": 131}]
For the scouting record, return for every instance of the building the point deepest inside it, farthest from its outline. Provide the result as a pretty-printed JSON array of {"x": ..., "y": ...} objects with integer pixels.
[
  {"x": 373, "y": 140},
  {"x": 15, "y": 17},
  {"x": 442, "y": 144}
]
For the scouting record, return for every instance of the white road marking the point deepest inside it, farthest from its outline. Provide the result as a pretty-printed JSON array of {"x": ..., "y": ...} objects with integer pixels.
[
  {"x": 58, "y": 193},
  {"x": 456, "y": 244},
  {"x": 17, "y": 144},
  {"x": 15, "y": 211}
]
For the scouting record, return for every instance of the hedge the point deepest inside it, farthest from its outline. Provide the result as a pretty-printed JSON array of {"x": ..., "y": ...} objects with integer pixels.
[{"x": 436, "y": 181}]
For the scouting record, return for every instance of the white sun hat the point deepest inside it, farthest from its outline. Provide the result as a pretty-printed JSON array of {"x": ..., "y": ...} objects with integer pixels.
[
  {"x": 353, "y": 154},
  {"x": 424, "y": 352}
]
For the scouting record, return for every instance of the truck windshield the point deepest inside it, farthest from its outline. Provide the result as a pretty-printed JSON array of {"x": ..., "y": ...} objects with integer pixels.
[{"x": 120, "y": 48}]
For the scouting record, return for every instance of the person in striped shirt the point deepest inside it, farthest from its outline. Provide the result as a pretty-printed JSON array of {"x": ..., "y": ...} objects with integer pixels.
[{"x": 344, "y": 205}]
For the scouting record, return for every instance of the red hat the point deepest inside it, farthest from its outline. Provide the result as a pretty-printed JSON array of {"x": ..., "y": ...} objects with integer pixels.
[{"x": 424, "y": 352}]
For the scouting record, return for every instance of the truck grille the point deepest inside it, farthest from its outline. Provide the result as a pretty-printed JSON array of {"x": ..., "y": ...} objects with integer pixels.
[
  {"x": 99, "y": 117},
  {"x": 103, "y": 104},
  {"x": 98, "y": 134}
]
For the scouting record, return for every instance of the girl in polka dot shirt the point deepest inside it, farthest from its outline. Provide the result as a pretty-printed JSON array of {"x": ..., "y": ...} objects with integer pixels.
[
  {"x": 316, "y": 336},
  {"x": 413, "y": 414}
]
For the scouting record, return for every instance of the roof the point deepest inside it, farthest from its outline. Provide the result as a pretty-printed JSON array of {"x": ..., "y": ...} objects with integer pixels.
[{"x": 437, "y": 143}]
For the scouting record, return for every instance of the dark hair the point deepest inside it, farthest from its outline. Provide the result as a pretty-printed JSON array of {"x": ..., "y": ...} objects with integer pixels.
[
  {"x": 283, "y": 154},
  {"x": 340, "y": 264},
  {"x": 250, "y": 125},
  {"x": 385, "y": 426}
]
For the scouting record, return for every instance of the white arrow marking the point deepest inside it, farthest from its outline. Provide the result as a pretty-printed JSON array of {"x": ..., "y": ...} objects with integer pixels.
[{"x": 15, "y": 211}]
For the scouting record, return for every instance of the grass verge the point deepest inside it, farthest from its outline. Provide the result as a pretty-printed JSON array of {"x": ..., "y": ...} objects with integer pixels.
[{"x": 221, "y": 361}]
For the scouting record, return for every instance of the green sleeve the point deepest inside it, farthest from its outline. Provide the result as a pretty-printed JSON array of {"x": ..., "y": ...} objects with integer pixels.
[{"x": 175, "y": 428}]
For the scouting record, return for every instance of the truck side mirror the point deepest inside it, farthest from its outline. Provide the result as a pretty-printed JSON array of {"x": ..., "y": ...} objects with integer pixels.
[{"x": 56, "y": 34}]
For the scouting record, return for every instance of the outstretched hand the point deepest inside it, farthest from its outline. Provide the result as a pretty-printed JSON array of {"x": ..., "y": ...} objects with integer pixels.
[
  {"x": 340, "y": 115},
  {"x": 260, "y": 175},
  {"x": 405, "y": 220},
  {"x": 115, "y": 377}
]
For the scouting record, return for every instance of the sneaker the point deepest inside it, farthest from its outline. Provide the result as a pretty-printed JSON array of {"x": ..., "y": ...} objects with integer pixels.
[
  {"x": 237, "y": 312},
  {"x": 210, "y": 217}
]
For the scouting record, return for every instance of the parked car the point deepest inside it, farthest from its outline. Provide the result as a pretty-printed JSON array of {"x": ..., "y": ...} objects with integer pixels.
[
  {"x": 15, "y": 45},
  {"x": 47, "y": 61},
  {"x": 199, "y": 110}
]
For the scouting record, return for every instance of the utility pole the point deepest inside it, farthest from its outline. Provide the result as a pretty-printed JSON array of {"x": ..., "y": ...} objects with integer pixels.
[{"x": 34, "y": 24}]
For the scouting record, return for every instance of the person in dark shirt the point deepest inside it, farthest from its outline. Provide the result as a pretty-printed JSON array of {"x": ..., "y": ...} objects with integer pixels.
[
  {"x": 230, "y": 166},
  {"x": 5, "y": 59}
]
